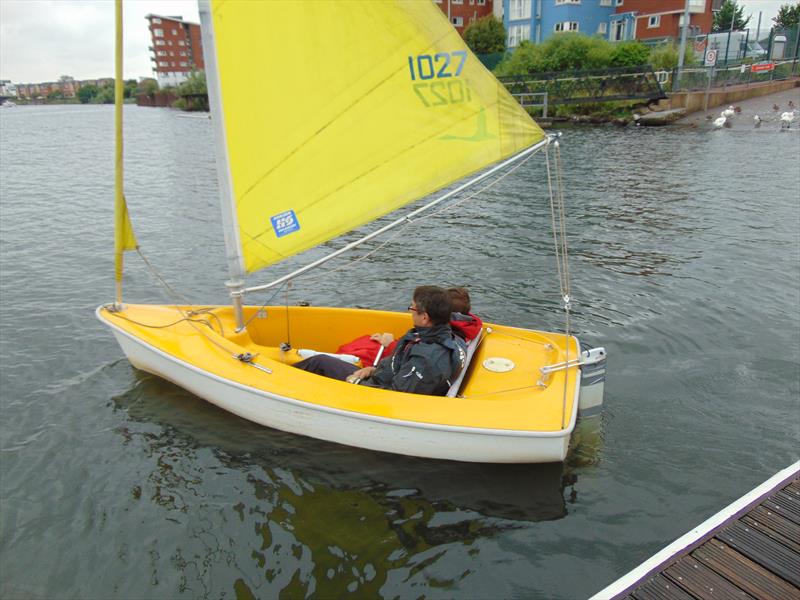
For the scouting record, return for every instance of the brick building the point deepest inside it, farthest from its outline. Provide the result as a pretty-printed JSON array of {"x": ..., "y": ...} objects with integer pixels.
[
  {"x": 462, "y": 13},
  {"x": 660, "y": 19},
  {"x": 177, "y": 49}
]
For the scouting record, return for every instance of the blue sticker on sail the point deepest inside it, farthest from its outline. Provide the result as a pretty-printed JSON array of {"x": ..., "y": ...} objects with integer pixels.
[{"x": 285, "y": 223}]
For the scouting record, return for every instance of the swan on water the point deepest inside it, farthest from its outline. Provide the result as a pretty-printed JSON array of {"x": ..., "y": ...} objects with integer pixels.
[
  {"x": 788, "y": 118},
  {"x": 757, "y": 121},
  {"x": 728, "y": 112},
  {"x": 719, "y": 122}
]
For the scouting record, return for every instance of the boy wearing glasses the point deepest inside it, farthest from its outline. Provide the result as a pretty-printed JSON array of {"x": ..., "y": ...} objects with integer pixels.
[{"x": 425, "y": 360}]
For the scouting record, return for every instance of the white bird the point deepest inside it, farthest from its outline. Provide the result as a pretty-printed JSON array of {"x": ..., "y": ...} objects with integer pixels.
[
  {"x": 728, "y": 112},
  {"x": 788, "y": 118},
  {"x": 719, "y": 122},
  {"x": 757, "y": 121}
]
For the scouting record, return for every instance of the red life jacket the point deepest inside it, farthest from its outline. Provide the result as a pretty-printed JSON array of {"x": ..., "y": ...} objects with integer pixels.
[{"x": 366, "y": 349}]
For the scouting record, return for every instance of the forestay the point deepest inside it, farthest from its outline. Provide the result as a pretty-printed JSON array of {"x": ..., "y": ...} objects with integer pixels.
[{"x": 336, "y": 113}]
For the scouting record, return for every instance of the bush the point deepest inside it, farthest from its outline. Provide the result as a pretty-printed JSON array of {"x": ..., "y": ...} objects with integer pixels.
[
  {"x": 664, "y": 56},
  {"x": 573, "y": 52},
  {"x": 629, "y": 54}
]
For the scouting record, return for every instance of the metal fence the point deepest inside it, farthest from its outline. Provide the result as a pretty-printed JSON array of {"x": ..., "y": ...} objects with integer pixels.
[
  {"x": 701, "y": 78},
  {"x": 581, "y": 87}
]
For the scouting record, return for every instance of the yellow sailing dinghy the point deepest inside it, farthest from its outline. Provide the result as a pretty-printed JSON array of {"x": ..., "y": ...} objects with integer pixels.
[{"x": 385, "y": 107}]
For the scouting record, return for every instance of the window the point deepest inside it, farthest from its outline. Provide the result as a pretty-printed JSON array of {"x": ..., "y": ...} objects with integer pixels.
[
  {"x": 174, "y": 32},
  {"x": 457, "y": 21},
  {"x": 183, "y": 53},
  {"x": 618, "y": 3},
  {"x": 163, "y": 63},
  {"x": 653, "y": 21},
  {"x": 618, "y": 30},
  {"x": 481, "y": 2},
  {"x": 566, "y": 26},
  {"x": 158, "y": 32},
  {"x": 181, "y": 43},
  {"x": 518, "y": 33},
  {"x": 160, "y": 43},
  {"x": 567, "y": 2},
  {"x": 162, "y": 52},
  {"x": 602, "y": 29},
  {"x": 457, "y": 1},
  {"x": 169, "y": 42},
  {"x": 184, "y": 64},
  {"x": 605, "y": 2},
  {"x": 519, "y": 9},
  {"x": 156, "y": 21}
]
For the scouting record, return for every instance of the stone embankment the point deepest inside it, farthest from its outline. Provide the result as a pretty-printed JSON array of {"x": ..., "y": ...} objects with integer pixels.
[{"x": 681, "y": 104}]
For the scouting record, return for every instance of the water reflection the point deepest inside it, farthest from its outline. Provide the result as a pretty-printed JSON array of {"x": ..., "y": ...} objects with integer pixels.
[{"x": 303, "y": 516}]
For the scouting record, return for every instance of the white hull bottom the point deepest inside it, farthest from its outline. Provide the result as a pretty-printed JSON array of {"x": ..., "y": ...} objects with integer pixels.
[{"x": 350, "y": 428}]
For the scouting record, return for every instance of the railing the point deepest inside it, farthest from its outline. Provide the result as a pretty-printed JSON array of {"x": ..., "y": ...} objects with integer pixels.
[
  {"x": 580, "y": 87},
  {"x": 528, "y": 100},
  {"x": 701, "y": 78}
]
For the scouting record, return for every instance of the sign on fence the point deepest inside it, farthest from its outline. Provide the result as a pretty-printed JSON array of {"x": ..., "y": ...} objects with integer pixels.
[
  {"x": 761, "y": 67},
  {"x": 711, "y": 57}
]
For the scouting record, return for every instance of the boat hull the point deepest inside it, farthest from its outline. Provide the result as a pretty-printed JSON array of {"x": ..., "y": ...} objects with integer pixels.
[
  {"x": 352, "y": 429},
  {"x": 349, "y": 427}
]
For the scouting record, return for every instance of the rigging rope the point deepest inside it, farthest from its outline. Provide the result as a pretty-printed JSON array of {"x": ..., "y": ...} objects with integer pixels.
[{"x": 561, "y": 249}]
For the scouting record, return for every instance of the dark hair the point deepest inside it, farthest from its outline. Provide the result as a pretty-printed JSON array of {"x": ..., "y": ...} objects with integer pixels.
[
  {"x": 459, "y": 298},
  {"x": 435, "y": 301}
]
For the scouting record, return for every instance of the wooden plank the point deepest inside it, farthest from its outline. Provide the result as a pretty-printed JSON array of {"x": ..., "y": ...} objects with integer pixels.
[
  {"x": 759, "y": 548},
  {"x": 659, "y": 587},
  {"x": 794, "y": 486},
  {"x": 789, "y": 501},
  {"x": 702, "y": 582},
  {"x": 743, "y": 572},
  {"x": 775, "y": 506},
  {"x": 774, "y": 526}
]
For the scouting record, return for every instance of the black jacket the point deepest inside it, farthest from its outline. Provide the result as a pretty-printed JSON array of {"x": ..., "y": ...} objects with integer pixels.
[{"x": 425, "y": 361}]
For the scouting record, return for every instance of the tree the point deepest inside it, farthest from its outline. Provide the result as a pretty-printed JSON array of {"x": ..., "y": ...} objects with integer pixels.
[
  {"x": 486, "y": 36},
  {"x": 87, "y": 93},
  {"x": 729, "y": 11},
  {"x": 55, "y": 95},
  {"x": 130, "y": 88},
  {"x": 194, "y": 84},
  {"x": 788, "y": 16}
]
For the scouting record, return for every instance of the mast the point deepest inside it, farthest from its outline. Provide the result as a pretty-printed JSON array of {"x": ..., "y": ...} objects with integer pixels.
[
  {"x": 119, "y": 86},
  {"x": 230, "y": 225},
  {"x": 124, "y": 239}
]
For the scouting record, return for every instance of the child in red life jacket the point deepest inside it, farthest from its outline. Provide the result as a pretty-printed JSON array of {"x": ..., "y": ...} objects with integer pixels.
[{"x": 462, "y": 321}]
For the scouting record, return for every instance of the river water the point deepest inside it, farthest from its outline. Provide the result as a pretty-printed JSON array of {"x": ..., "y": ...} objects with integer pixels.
[{"x": 685, "y": 265}]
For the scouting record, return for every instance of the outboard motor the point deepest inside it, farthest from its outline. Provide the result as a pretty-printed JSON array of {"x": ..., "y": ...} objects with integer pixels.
[{"x": 593, "y": 379}]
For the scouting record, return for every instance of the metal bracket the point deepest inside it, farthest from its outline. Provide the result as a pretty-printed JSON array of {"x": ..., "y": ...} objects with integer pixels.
[
  {"x": 588, "y": 357},
  {"x": 247, "y": 358}
]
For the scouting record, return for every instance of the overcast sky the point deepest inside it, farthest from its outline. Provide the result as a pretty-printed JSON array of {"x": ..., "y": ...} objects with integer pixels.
[{"x": 40, "y": 40}]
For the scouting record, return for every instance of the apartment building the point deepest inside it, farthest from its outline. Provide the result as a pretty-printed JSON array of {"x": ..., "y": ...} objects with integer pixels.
[
  {"x": 177, "y": 48},
  {"x": 614, "y": 20},
  {"x": 537, "y": 20},
  {"x": 462, "y": 13}
]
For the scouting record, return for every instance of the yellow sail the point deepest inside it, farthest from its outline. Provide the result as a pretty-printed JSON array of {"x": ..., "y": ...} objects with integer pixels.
[{"x": 338, "y": 112}]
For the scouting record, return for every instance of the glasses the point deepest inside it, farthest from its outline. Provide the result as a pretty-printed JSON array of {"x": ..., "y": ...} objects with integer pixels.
[{"x": 416, "y": 310}]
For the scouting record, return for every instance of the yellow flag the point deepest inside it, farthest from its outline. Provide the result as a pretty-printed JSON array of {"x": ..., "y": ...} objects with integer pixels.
[{"x": 338, "y": 112}]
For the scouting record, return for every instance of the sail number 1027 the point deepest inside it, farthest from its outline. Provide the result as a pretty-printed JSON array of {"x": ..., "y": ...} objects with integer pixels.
[{"x": 438, "y": 66}]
